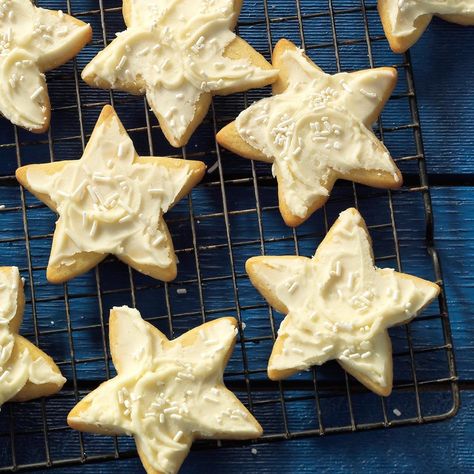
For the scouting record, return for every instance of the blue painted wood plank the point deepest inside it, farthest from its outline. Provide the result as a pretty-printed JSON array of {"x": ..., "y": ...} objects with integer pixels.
[
  {"x": 436, "y": 448},
  {"x": 454, "y": 214},
  {"x": 444, "y": 69}
]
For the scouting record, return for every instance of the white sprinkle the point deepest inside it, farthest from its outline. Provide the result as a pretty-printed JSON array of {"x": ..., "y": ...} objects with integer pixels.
[
  {"x": 345, "y": 86},
  {"x": 162, "y": 418},
  {"x": 179, "y": 95},
  {"x": 397, "y": 412},
  {"x": 350, "y": 280},
  {"x": 356, "y": 355},
  {"x": 185, "y": 375},
  {"x": 175, "y": 416},
  {"x": 36, "y": 93},
  {"x": 364, "y": 300},
  {"x": 62, "y": 31},
  {"x": 93, "y": 229},
  {"x": 213, "y": 167},
  {"x": 120, "y": 150},
  {"x": 178, "y": 436},
  {"x": 121, "y": 63},
  {"x": 170, "y": 410},
  {"x": 155, "y": 191},
  {"x": 297, "y": 350},
  {"x": 181, "y": 291},
  {"x": 143, "y": 51},
  {"x": 125, "y": 218},
  {"x": 254, "y": 451},
  {"x": 297, "y": 151},
  {"x": 396, "y": 178},
  {"x": 79, "y": 188},
  {"x": 92, "y": 194},
  {"x": 101, "y": 178},
  {"x": 328, "y": 348},
  {"x": 157, "y": 241},
  {"x": 365, "y": 355},
  {"x": 371, "y": 95},
  {"x": 293, "y": 287}
]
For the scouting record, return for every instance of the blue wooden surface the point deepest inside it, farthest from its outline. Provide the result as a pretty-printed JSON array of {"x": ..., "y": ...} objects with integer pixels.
[{"x": 444, "y": 67}]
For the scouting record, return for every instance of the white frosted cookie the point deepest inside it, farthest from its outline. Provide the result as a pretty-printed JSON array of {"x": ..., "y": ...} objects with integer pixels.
[
  {"x": 111, "y": 201},
  {"x": 314, "y": 130},
  {"x": 338, "y": 305},
  {"x": 26, "y": 372},
  {"x": 166, "y": 393},
  {"x": 32, "y": 41},
  {"x": 179, "y": 53},
  {"x": 404, "y": 21}
]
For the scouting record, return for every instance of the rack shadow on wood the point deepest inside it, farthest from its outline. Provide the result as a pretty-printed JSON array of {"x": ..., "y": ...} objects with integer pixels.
[{"x": 231, "y": 216}]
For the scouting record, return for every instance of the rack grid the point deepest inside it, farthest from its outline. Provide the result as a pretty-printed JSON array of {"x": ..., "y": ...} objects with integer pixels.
[{"x": 230, "y": 216}]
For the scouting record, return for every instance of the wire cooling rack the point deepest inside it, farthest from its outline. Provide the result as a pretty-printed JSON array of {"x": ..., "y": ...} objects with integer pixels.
[{"x": 231, "y": 216}]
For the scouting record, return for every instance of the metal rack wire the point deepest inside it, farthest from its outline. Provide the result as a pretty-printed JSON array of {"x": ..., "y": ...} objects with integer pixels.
[{"x": 231, "y": 216}]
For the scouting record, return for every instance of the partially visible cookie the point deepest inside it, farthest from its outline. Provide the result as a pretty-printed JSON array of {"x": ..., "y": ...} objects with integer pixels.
[
  {"x": 34, "y": 40},
  {"x": 404, "y": 21},
  {"x": 166, "y": 393},
  {"x": 179, "y": 54},
  {"x": 316, "y": 129},
  {"x": 111, "y": 201},
  {"x": 26, "y": 372},
  {"x": 338, "y": 305}
]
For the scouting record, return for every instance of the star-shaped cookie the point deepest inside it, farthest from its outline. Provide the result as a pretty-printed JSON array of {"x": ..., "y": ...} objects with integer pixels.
[
  {"x": 179, "y": 54},
  {"x": 315, "y": 129},
  {"x": 404, "y": 21},
  {"x": 111, "y": 201},
  {"x": 33, "y": 40},
  {"x": 338, "y": 305},
  {"x": 26, "y": 372},
  {"x": 166, "y": 393}
]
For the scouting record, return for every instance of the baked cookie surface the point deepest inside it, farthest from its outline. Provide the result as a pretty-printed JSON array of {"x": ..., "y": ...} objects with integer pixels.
[
  {"x": 111, "y": 201},
  {"x": 34, "y": 40},
  {"x": 338, "y": 305},
  {"x": 404, "y": 21},
  {"x": 26, "y": 372},
  {"x": 167, "y": 393},
  {"x": 179, "y": 53},
  {"x": 315, "y": 130}
]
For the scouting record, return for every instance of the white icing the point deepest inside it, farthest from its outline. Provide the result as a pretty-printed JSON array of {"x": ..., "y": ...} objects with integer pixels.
[
  {"x": 339, "y": 305},
  {"x": 167, "y": 394},
  {"x": 318, "y": 127},
  {"x": 109, "y": 203},
  {"x": 172, "y": 51},
  {"x": 15, "y": 372},
  {"x": 404, "y": 13},
  {"x": 32, "y": 40}
]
